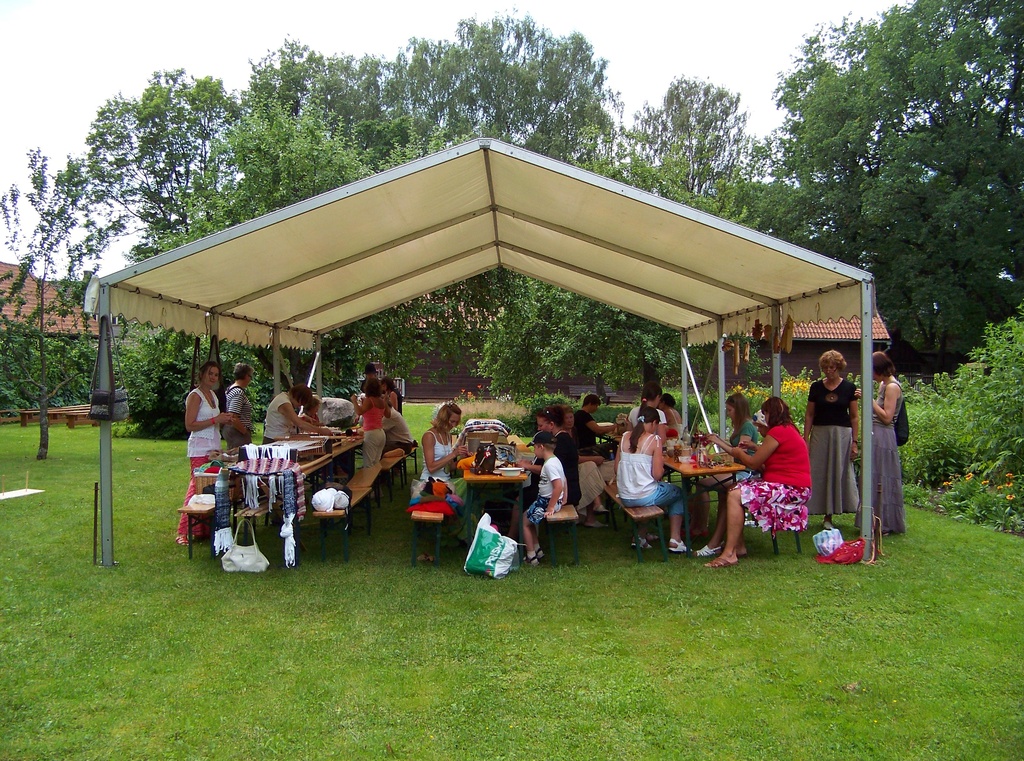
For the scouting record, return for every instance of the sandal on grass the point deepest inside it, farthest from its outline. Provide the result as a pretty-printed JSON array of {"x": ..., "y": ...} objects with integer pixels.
[
  {"x": 708, "y": 552},
  {"x": 720, "y": 563},
  {"x": 425, "y": 558}
]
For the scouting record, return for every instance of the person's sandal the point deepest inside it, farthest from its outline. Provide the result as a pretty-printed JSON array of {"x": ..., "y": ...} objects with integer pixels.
[
  {"x": 676, "y": 546},
  {"x": 531, "y": 560},
  {"x": 708, "y": 552}
]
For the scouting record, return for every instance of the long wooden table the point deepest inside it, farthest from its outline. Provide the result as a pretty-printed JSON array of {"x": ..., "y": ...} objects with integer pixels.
[
  {"x": 691, "y": 475},
  {"x": 477, "y": 483}
]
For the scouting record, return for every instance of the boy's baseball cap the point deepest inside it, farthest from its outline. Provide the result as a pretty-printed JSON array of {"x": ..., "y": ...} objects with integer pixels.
[{"x": 543, "y": 437}]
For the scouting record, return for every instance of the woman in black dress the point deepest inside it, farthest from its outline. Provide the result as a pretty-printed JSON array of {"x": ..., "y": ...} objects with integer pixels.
[{"x": 830, "y": 430}]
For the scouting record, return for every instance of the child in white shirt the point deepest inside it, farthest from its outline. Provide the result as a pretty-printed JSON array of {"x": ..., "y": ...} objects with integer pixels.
[{"x": 550, "y": 494}]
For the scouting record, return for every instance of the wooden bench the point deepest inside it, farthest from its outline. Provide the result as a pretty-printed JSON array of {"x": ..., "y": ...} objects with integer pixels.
[
  {"x": 198, "y": 515},
  {"x": 365, "y": 479},
  {"x": 71, "y": 415},
  {"x": 640, "y": 515},
  {"x": 331, "y": 519},
  {"x": 567, "y": 517},
  {"x": 387, "y": 468},
  {"x": 425, "y": 518}
]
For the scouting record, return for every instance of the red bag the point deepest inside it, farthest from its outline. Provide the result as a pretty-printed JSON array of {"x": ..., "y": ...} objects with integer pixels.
[{"x": 846, "y": 554}]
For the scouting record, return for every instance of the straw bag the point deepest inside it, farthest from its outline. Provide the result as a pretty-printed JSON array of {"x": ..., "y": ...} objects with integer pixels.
[{"x": 240, "y": 558}]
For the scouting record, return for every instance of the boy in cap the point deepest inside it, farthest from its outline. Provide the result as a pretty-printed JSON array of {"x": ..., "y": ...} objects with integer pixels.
[{"x": 550, "y": 494}]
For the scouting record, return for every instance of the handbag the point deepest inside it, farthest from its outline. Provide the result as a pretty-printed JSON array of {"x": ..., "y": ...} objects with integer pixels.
[
  {"x": 486, "y": 459},
  {"x": 105, "y": 404},
  {"x": 248, "y": 558}
]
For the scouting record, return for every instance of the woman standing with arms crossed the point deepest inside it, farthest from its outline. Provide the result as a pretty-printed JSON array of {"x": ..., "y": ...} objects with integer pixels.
[
  {"x": 886, "y": 471},
  {"x": 830, "y": 427},
  {"x": 239, "y": 433},
  {"x": 203, "y": 419}
]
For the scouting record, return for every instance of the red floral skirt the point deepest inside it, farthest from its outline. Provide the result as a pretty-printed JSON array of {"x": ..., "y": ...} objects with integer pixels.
[{"x": 775, "y": 507}]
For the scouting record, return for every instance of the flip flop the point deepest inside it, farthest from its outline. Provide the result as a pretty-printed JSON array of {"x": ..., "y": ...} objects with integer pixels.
[
  {"x": 425, "y": 558},
  {"x": 720, "y": 563}
]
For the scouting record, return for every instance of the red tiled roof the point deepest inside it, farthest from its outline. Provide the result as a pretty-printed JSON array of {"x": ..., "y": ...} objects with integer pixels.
[
  {"x": 839, "y": 330},
  {"x": 70, "y": 325}
]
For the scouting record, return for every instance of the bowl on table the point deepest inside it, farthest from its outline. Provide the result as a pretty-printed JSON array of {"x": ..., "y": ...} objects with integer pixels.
[{"x": 509, "y": 472}]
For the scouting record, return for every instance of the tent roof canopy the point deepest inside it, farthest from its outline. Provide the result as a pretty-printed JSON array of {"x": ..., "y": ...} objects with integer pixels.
[{"x": 364, "y": 247}]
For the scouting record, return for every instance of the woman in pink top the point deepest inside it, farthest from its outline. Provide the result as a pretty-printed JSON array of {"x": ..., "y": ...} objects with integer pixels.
[
  {"x": 778, "y": 501},
  {"x": 374, "y": 408}
]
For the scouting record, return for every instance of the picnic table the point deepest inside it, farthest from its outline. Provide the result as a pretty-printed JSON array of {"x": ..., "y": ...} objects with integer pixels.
[
  {"x": 477, "y": 484},
  {"x": 691, "y": 475},
  {"x": 73, "y": 414}
]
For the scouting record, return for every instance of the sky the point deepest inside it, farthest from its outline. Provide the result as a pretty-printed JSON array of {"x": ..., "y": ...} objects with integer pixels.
[{"x": 62, "y": 60}]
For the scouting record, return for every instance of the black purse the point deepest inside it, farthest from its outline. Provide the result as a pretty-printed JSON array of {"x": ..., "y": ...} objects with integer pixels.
[{"x": 107, "y": 404}]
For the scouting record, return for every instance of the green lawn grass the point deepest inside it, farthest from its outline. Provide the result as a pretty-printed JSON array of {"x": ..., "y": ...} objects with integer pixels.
[{"x": 160, "y": 657}]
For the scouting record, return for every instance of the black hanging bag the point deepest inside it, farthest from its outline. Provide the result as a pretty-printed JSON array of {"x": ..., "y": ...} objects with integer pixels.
[
  {"x": 902, "y": 425},
  {"x": 107, "y": 404}
]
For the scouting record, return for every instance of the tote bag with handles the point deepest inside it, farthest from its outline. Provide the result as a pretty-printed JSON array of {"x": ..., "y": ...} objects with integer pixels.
[{"x": 107, "y": 404}]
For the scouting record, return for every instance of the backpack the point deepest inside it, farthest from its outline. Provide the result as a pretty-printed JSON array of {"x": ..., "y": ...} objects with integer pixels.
[{"x": 902, "y": 425}]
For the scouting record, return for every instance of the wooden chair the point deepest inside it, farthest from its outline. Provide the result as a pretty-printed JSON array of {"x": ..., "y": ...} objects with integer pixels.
[
  {"x": 425, "y": 519},
  {"x": 567, "y": 517}
]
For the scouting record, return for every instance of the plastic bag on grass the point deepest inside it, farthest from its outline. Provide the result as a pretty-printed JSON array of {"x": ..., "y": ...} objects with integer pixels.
[
  {"x": 491, "y": 554},
  {"x": 827, "y": 541}
]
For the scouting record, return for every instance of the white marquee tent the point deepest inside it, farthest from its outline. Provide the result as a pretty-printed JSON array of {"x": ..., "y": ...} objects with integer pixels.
[{"x": 288, "y": 277}]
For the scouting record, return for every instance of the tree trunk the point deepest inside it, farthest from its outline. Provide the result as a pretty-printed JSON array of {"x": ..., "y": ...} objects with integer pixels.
[
  {"x": 44, "y": 403},
  {"x": 650, "y": 372},
  {"x": 600, "y": 390}
]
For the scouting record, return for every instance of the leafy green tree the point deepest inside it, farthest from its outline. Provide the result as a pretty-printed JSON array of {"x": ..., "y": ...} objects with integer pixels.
[
  {"x": 697, "y": 136},
  {"x": 506, "y": 78},
  {"x": 159, "y": 160},
  {"x": 548, "y": 332},
  {"x": 903, "y": 153},
  {"x": 64, "y": 238}
]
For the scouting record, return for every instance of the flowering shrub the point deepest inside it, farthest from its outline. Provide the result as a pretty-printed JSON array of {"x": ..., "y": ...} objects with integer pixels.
[
  {"x": 793, "y": 389},
  {"x": 980, "y": 500}
]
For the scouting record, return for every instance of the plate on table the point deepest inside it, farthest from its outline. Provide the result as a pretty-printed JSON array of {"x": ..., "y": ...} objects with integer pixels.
[{"x": 509, "y": 472}]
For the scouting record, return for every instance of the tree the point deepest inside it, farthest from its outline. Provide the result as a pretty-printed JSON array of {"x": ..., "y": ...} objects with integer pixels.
[
  {"x": 160, "y": 161},
  {"x": 546, "y": 332},
  {"x": 64, "y": 238},
  {"x": 696, "y": 137},
  {"x": 903, "y": 153},
  {"x": 506, "y": 78}
]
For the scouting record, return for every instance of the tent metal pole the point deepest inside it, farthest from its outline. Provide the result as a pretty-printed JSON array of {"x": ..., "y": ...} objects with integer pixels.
[
  {"x": 106, "y": 446},
  {"x": 318, "y": 364},
  {"x": 721, "y": 380},
  {"x": 275, "y": 343},
  {"x": 696, "y": 391},
  {"x": 867, "y": 481},
  {"x": 776, "y": 355},
  {"x": 684, "y": 400}
]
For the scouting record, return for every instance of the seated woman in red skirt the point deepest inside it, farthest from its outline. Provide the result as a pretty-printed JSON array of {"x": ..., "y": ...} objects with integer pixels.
[{"x": 778, "y": 500}]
